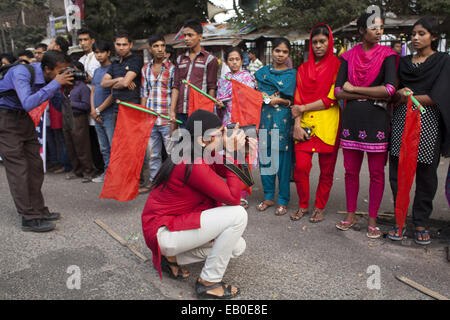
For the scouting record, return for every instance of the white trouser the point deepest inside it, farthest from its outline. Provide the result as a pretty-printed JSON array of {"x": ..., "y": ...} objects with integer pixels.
[{"x": 225, "y": 225}]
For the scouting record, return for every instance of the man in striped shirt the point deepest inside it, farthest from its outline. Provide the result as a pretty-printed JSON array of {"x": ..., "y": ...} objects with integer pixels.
[
  {"x": 196, "y": 66},
  {"x": 156, "y": 92}
]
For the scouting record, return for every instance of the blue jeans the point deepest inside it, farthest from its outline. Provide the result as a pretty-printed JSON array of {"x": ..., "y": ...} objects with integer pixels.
[
  {"x": 160, "y": 135},
  {"x": 105, "y": 132},
  {"x": 57, "y": 150}
]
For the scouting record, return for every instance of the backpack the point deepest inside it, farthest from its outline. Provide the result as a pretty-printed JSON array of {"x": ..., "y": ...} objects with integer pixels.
[{"x": 4, "y": 69}]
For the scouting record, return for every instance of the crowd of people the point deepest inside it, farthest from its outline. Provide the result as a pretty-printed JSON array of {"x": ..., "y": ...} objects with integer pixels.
[{"x": 357, "y": 102}]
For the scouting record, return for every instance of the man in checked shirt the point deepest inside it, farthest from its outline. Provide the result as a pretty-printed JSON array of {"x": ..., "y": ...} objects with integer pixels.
[
  {"x": 156, "y": 91},
  {"x": 197, "y": 66}
]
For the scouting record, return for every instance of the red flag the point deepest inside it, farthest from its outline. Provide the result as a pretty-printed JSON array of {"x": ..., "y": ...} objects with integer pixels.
[
  {"x": 131, "y": 135},
  {"x": 247, "y": 104},
  {"x": 407, "y": 164},
  {"x": 199, "y": 101},
  {"x": 36, "y": 113}
]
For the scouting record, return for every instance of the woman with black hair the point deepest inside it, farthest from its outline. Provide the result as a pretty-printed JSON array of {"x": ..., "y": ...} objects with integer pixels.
[
  {"x": 277, "y": 81},
  {"x": 427, "y": 75},
  {"x": 233, "y": 58},
  {"x": 184, "y": 220},
  {"x": 366, "y": 81},
  {"x": 316, "y": 109}
]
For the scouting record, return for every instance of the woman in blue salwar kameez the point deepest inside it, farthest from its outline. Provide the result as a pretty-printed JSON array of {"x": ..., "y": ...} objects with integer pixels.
[{"x": 278, "y": 82}]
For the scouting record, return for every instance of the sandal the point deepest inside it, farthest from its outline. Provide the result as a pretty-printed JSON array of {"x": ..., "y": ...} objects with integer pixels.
[
  {"x": 201, "y": 291},
  {"x": 422, "y": 233},
  {"x": 396, "y": 236},
  {"x": 281, "y": 210},
  {"x": 317, "y": 216},
  {"x": 263, "y": 206},
  {"x": 166, "y": 267},
  {"x": 244, "y": 203},
  {"x": 345, "y": 225},
  {"x": 297, "y": 215},
  {"x": 376, "y": 233},
  {"x": 144, "y": 190}
]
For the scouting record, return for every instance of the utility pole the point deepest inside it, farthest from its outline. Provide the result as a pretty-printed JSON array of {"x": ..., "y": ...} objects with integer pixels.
[{"x": 4, "y": 39}]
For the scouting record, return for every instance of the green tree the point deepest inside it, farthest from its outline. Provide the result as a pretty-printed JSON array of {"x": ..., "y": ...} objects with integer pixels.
[
  {"x": 23, "y": 35},
  {"x": 303, "y": 14},
  {"x": 141, "y": 18}
]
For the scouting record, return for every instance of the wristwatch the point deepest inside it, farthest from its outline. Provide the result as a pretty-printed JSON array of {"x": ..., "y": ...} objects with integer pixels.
[{"x": 97, "y": 111}]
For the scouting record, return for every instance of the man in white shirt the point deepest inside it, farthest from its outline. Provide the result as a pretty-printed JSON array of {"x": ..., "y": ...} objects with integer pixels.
[
  {"x": 89, "y": 61},
  {"x": 86, "y": 39},
  {"x": 255, "y": 63}
]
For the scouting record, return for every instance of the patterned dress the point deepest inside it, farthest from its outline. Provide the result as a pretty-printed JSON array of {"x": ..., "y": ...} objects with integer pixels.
[
  {"x": 224, "y": 93},
  {"x": 429, "y": 134}
]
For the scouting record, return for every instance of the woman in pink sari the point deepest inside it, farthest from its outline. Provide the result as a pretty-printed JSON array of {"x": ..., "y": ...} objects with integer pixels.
[{"x": 366, "y": 81}]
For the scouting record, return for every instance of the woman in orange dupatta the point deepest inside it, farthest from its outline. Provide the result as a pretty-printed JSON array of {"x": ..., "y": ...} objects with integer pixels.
[{"x": 316, "y": 113}]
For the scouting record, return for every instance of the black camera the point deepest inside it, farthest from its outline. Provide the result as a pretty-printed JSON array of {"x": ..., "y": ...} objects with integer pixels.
[
  {"x": 250, "y": 130},
  {"x": 77, "y": 75}
]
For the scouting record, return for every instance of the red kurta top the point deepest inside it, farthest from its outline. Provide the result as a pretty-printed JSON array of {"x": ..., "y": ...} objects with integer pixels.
[
  {"x": 178, "y": 206},
  {"x": 55, "y": 118}
]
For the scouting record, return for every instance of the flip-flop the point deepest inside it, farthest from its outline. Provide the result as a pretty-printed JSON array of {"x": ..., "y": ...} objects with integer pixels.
[
  {"x": 421, "y": 233},
  {"x": 349, "y": 223},
  {"x": 297, "y": 215},
  {"x": 378, "y": 235},
  {"x": 244, "y": 203},
  {"x": 281, "y": 211},
  {"x": 263, "y": 206},
  {"x": 394, "y": 237},
  {"x": 314, "y": 215}
]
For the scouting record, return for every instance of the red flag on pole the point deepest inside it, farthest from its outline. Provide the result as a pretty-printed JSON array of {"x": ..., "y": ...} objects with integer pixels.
[
  {"x": 407, "y": 164},
  {"x": 131, "y": 135},
  {"x": 36, "y": 113},
  {"x": 247, "y": 104},
  {"x": 199, "y": 101}
]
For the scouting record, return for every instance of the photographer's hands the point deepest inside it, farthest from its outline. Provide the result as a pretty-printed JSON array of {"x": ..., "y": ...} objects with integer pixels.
[
  {"x": 234, "y": 142},
  {"x": 65, "y": 78}
]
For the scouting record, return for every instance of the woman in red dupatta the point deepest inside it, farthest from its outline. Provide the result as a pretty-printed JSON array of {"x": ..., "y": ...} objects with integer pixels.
[{"x": 316, "y": 108}]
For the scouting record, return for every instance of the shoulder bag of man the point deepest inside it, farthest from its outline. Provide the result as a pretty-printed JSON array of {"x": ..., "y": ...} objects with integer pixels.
[{"x": 4, "y": 69}]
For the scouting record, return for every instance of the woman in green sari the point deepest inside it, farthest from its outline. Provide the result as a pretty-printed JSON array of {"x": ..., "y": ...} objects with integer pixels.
[{"x": 278, "y": 82}]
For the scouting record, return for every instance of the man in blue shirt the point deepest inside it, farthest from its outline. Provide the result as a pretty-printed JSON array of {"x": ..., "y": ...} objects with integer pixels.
[
  {"x": 101, "y": 101},
  {"x": 123, "y": 75},
  {"x": 19, "y": 146}
]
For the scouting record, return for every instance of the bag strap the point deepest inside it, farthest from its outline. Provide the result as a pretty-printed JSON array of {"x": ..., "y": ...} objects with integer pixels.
[
  {"x": 243, "y": 174},
  {"x": 12, "y": 92}
]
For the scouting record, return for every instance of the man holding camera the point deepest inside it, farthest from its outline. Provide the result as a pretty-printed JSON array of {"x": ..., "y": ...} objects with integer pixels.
[{"x": 22, "y": 91}]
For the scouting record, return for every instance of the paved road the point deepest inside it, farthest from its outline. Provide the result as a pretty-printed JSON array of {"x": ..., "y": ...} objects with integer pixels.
[{"x": 283, "y": 260}]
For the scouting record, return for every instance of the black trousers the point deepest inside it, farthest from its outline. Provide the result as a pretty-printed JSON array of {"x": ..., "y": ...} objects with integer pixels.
[
  {"x": 79, "y": 146},
  {"x": 426, "y": 187},
  {"x": 19, "y": 148}
]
